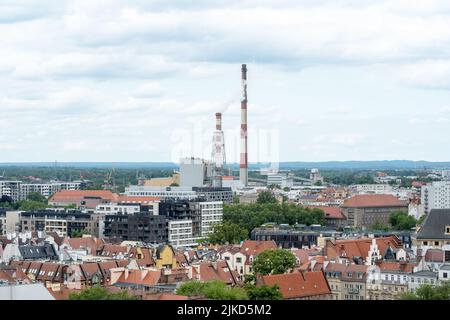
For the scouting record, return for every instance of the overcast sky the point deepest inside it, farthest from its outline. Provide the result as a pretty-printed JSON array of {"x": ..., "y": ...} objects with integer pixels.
[{"x": 112, "y": 80}]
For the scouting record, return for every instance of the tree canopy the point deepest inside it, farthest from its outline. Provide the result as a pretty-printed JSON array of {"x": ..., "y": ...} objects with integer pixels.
[
  {"x": 429, "y": 292},
  {"x": 250, "y": 216},
  {"x": 214, "y": 290},
  {"x": 227, "y": 232},
  {"x": 274, "y": 261},
  {"x": 99, "y": 293},
  {"x": 402, "y": 221},
  {"x": 36, "y": 196},
  {"x": 266, "y": 197},
  {"x": 263, "y": 292}
]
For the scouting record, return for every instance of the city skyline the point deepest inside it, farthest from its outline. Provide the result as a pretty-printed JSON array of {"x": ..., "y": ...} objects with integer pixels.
[{"x": 111, "y": 81}]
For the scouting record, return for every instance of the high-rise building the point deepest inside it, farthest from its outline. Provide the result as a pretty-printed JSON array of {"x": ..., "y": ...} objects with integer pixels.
[{"x": 436, "y": 195}]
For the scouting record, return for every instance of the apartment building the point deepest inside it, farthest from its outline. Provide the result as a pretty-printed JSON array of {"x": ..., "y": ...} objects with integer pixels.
[
  {"x": 140, "y": 226},
  {"x": 18, "y": 190},
  {"x": 180, "y": 233},
  {"x": 178, "y": 222},
  {"x": 65, "y": 222},
  {"x": 224, "y": 194},
  {"x": 205, "y": 216},
  {"x": 436, "y": 195},
  {"x": 347, "y": 282}
]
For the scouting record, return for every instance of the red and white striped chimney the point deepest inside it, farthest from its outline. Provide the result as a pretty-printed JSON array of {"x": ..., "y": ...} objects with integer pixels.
[{"x": 243, "y": 170}]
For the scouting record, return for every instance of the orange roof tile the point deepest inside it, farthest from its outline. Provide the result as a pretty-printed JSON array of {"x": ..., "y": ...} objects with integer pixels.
[
  {"x": 75, "y": 195},
  {"x": 252, "y": 247},
  {"x": 374, "y": 200},
  {"x": 330, "y": 212},
  {"x": 298, "y": 284},
  {"x": 359, "y": 247}
]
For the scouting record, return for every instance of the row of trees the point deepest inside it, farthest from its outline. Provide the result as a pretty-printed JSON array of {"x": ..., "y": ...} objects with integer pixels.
[
  {"x": 250, "y": 216},
  {"x": 429, "y": 292},
  {"x": 218, "y": 290},
  {"x": 35, "y": 201}
]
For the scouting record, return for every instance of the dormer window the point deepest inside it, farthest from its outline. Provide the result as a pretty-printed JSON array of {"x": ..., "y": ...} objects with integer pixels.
[{"x": 447, "y": 229}]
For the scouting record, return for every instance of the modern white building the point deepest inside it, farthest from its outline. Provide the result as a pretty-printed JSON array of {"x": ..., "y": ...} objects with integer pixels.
[
  {"x": 279, "y": 179},
  {"x": 18, "y": 190},
  {"x": 401, "y": 193},
  {"x": 180, "y": 233},
  {"x": 162, "y": 192},
  {"x": 436, "y": 195},
  {"x": 372, "y": 188},
  {"x": 206, "y": 216},
  {"x": 117, "y": 209}
]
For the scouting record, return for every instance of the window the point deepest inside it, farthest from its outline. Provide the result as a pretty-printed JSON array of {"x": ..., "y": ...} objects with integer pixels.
[
  {"x": 436, "y": 243},
  {"x": 445, "y": 275},
  {"x": 239, "y": 260}
]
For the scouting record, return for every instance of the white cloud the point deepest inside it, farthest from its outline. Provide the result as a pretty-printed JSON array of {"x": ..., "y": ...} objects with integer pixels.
[
  {"x": 148, "y": 90},
  {"x": 103, "y": 80}
]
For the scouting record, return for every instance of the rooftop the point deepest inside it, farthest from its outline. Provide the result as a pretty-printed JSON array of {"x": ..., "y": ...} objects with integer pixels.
[{"x": 374, "y": 200}]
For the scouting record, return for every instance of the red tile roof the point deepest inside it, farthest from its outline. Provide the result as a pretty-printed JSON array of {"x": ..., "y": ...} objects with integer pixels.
[
  {"x": 298, "y": 284},
  {"x": 253, "y": 247},
  {"x": 301, "y": 254},
  {"x": 330, "y": 212},
  {"x": 110, "y": 250},
  {"x": 140, "y": 277},
  {"x": 218, "y": 270},
  {"x": 396, "y": 266},
  {"x": 434, "y": 255},
  {"x": 374, "y": 200},
  {"x": 6, "y": 277},
  {"x": 84, "y": 243},
  {"x": 76, "y": 195},
  {"x": 359, "y": 247}
]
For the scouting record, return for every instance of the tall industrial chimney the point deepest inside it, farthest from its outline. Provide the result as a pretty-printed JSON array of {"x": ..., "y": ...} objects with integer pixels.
[
  {"x": 243, "y": 171},
  {"x": 218, "y": 153}
]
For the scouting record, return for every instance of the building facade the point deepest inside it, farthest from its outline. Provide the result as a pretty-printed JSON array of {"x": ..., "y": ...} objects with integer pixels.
[{"x": 436, "y": 195}]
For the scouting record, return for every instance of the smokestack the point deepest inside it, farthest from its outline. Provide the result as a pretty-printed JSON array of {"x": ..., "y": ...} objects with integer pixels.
[
  {"x": 218, "y": 121},
  {"x": 218, "y": 152},
  {"x": 243, "y": 172}
]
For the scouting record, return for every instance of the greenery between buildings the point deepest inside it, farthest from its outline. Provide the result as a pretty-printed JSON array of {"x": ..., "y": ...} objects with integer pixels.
[
  {"x": 99, "y": 293},
  {"x": 78, "y": 234},
  {"x": 275, "y": 261},
  {"x": 218, "y": 290},
  {"x": 250, "y": 216},
  {"x": 215, "y": 290},
  {"x": 402, "y": 221},
  {"x": 429, "y": 292},
  {"x": 266, "y": 197},
  {"x": 398, "y": 221},
  {"x": 227, "y": 233}
]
